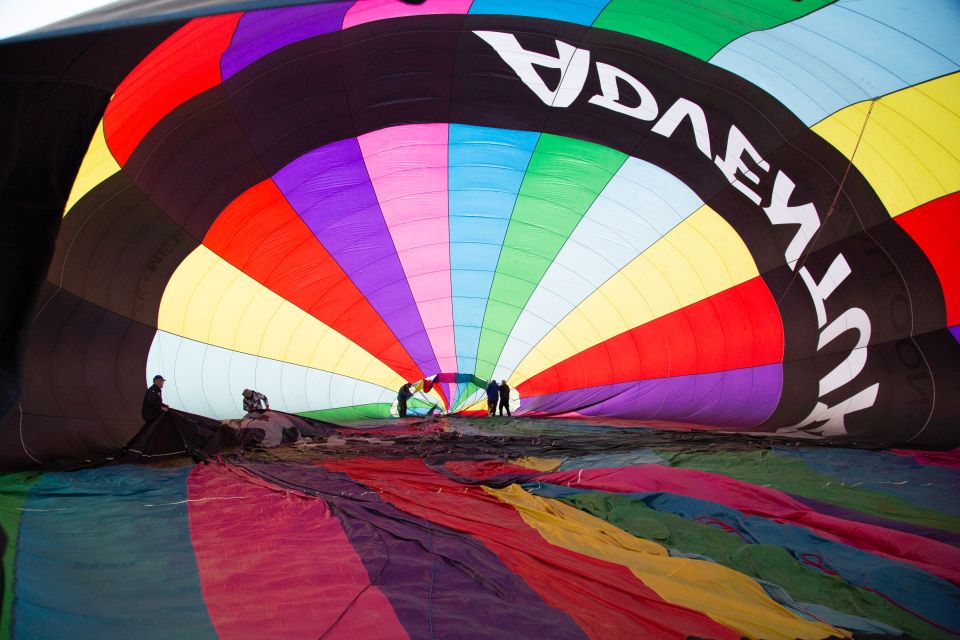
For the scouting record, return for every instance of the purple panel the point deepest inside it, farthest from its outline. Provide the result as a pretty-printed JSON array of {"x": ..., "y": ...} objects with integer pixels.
[
  {"x": 737, "y": 398},
  {"x": 330, "y": 189},
  {"x": 260, "y": 32},
  {"x": 956, "y": 332}
]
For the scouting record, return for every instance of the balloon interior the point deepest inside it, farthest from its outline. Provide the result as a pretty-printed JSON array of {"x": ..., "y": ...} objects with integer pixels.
[{"x": 471, "y": 318}]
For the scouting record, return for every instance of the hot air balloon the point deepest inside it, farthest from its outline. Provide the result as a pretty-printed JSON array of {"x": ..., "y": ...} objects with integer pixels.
[{"x": 733, "y": 223}]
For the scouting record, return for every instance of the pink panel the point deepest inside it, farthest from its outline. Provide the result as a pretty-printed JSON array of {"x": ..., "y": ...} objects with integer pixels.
[
  {"x": 370, "y": 10},
  {"x": 408, "y": 169},
  {"x": 932, "y": 556},
  {"x": 279, "y": 568}
]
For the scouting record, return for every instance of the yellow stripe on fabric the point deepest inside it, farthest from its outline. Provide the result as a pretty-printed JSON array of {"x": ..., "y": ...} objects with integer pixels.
[
  {"x": 209, "y": 300},
  {"x": 97, "y": 166},
  {"x": 698, "y": 258},
  {"x": 539, "y": 464},
  {"x": 909, "y": 151},
  {"x": 727, "y": 596}
]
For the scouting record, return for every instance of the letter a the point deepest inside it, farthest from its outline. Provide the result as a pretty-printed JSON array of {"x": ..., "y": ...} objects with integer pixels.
[{"x": 573, "y": 63}]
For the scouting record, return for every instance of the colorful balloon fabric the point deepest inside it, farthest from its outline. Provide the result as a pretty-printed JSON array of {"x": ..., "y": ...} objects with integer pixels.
[
  {"x": 419, "y": 532},
  {"x": 739, "y": 217}
]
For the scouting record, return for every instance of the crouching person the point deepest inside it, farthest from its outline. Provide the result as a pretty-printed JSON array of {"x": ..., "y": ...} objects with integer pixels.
[{"x": 254, "y": 401}]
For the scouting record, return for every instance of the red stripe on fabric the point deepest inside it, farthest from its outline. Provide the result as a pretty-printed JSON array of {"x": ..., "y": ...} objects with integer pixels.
[
  {"x": 184, "y": 65},
  {"x": 261, "y": 234},
  {"x": 275, "y": 564},
  {"x": 935, "y": 227},
  {"x": 734, "y": 329},
  {"x": 606, "y": 600},
  {"x": 937, "y": 558},
  {"x": 949, "y": 459}
]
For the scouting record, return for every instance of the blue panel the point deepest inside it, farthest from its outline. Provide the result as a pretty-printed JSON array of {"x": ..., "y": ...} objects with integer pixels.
[
  {"x": 578, "y": 12},
  {"x": 486, "y": 169},
  {"x": 106, "y": 553},
  {"x": 848, "y": 52}
]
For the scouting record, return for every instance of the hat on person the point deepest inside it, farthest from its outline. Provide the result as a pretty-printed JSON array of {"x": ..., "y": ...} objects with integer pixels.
[{"x": 159, "y": 377}]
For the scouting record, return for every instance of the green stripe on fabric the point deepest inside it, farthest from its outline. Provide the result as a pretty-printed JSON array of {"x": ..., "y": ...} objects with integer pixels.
[
  {"x": 360, "y": 411},
  {"x": 562, "y": 181},
  {"x": 14, "y": 488},
  {"x": 700, "y": 27},
  {"x": 761, "y": 561},
  {"x": 794, "y": 476}
]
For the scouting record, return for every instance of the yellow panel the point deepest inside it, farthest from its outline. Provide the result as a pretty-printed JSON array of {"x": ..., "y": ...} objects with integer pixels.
[
  {"x": 479, "y": 405},
  {"x": 698, "y": 258},
  {"x": 211, "y": 301},
  {"x": 97, "y": 166},
  {"x": 909, "y": 148},
  {"x": 729, "y": 597}
]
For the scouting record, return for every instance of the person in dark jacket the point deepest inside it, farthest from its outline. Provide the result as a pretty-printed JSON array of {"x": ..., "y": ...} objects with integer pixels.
[
  {"x": 402, "y": 396},
  {"x": 153, "y": 401},
  {"x": 504, "y": 397},
  {"x": 493, "y": 393},
  {"x": 254, "y": 401}
]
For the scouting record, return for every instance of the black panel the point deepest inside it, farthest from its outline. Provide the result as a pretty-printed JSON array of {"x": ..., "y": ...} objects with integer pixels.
[
  {"x": 82, "y": 384},
  {"x": 118, "y": 250},
  {"x": 52, "y": 95}
]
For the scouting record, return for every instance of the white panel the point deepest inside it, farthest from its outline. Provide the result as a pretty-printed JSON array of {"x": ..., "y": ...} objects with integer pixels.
[
  {"x": 293, "y": 387},
  {"x": 208, "y": 380},
  {"x": 223, "y": 400},
  {"x": 242, "y": 374}
]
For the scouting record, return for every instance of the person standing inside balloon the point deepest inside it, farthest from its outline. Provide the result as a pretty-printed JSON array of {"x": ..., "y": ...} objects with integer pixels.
[
  {"x": 504, "y": 397},
  {"x": 403, "y": 395},
  {"x": 493, "y": 394},
  {"x": 153, "y": 400}
]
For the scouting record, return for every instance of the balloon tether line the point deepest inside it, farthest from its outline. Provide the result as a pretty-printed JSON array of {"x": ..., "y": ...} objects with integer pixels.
[{"x": 833, "y": 205}]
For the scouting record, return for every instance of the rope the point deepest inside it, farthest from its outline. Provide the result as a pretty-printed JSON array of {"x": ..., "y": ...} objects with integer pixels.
[{"x": 833, "y": 205}]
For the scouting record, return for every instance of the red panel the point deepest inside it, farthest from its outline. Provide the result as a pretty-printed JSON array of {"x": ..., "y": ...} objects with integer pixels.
[
  {"x": 261, "y": 234},
  {"x": 258, "y": 578},
  {"x": 186, "y": 64},
  {"x": 606, "y": 600},
  {"x": 935, "y": 227},
  {"x": 734, "y": 329}
]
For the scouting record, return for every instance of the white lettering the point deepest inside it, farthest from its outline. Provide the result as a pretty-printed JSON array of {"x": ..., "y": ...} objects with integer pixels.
[
  {"x": 780, "y": 212},
  {"x": 850, "y": 368},
  {"x": 573, "y": 63},
  {"x": 836, "y": 273},
  {"x": 609, "y": 97},
  {"x": 733, "y": 163},
  {"x": 698, "y": 120},
  {"x": 833, "y": 416}
]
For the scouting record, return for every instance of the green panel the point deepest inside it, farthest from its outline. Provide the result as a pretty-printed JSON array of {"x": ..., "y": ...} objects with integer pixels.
[
  {"x": 762, "y": 561},
  {"x": 14, "y": 488},
  {"x": 362, "y": 411},
  {"x": 562, "y": 181},
  {"x": 793, "y": 476},
  {"x": 700, "y": 27}
]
